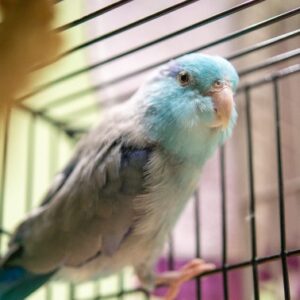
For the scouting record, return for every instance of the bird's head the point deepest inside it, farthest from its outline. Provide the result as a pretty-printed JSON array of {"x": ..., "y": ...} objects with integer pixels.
[{"x": 189, "y": 105}]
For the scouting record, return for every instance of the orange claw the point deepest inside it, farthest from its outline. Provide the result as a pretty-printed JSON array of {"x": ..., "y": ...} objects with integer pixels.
[{"x": 175, "y": 279}]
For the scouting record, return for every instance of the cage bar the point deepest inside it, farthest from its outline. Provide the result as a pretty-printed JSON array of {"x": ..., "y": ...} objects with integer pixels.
[
  {"x": 201, "y": 23},
  {"x": 224, "y": 223},
  {"x": 131, "y": 26},
  {"x": 264, "y": 44},
  {"x": 197, "y": 239},
  {"x": 4, "y": 168},
  {"x": 252, "y": 212},
  {"x": 281, "y": 191},
  {"x": 30, "y": 162},
  {"x": 227, "y": 38},
  {"x": 93, "y": 15},
  {"x": 171, "y": 260}
]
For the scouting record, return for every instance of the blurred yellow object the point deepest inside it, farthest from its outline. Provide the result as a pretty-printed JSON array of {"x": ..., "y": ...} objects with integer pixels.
[{"x": 27, "y": 42}]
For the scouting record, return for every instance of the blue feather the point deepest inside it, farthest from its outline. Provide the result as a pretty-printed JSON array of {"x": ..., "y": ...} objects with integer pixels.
[
  {"x": 16, "y": 283},
  {"x": 135, "y": 158},
  {"x": 178, "y": 116}
]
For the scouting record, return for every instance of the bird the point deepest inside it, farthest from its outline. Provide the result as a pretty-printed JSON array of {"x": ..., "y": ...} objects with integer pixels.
[{"x": 130, "y": 177}]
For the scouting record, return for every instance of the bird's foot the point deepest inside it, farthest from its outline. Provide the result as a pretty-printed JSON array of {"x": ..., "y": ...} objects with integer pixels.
[{"x": 175, "y": 279}]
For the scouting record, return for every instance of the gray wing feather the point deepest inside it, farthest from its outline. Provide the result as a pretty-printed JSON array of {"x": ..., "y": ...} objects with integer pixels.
[
  {"x": 59, "y": 180},
  {"x": 89, "y": 212}
]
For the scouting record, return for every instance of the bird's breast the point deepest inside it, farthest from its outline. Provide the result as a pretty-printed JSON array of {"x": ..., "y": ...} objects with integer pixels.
[{"x": 170, "y": 187}]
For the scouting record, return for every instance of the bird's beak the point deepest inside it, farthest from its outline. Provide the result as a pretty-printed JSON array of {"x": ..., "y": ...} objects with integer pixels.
[{"x": 223, "y": 105}]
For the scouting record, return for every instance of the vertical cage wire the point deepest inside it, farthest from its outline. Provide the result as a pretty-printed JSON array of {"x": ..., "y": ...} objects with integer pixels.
[
  {"x": 252, "y": 212},
  {"x": 30, "y": 162},
  {"x": 6, "y": 123},
  {"x": 197, "y": 239},
  {"x": 281, "y": 192},
  {"x": 224, "y": 223}
]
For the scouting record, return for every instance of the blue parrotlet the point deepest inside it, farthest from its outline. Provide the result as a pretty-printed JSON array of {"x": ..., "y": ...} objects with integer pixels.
[{"x": 127, "y": 183}]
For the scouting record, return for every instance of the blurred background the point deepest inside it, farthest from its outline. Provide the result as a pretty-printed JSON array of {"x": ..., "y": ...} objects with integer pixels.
[{"x": 245, "y": 217}]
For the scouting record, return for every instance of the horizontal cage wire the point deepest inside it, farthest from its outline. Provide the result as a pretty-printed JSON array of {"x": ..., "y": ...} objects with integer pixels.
[{"x": 245, "y": 214}]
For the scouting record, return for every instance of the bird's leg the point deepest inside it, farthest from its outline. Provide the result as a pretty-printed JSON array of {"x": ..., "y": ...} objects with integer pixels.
[
  {"x": 175, "y": 279},
  {"x": 172, "y": 279}
]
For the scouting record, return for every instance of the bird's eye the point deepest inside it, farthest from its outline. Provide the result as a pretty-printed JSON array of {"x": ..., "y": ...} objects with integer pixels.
[
  {"x": 218, "y": 84},
  {"x": 184, "y": 78}
]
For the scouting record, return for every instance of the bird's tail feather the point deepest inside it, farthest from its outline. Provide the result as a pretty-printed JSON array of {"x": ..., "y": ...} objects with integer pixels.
[{"x": 16, "y": 283}]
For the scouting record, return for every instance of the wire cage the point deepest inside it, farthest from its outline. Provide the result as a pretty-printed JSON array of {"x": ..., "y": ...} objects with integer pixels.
[{"x": 245, "y": 215}]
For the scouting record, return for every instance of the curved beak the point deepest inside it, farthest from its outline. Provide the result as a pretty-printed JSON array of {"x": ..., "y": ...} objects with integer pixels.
[{"x": 223, "y": 105}]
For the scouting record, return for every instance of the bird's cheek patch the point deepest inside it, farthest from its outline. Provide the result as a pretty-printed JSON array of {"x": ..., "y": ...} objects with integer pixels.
[{"x": 205, "y": 105}]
